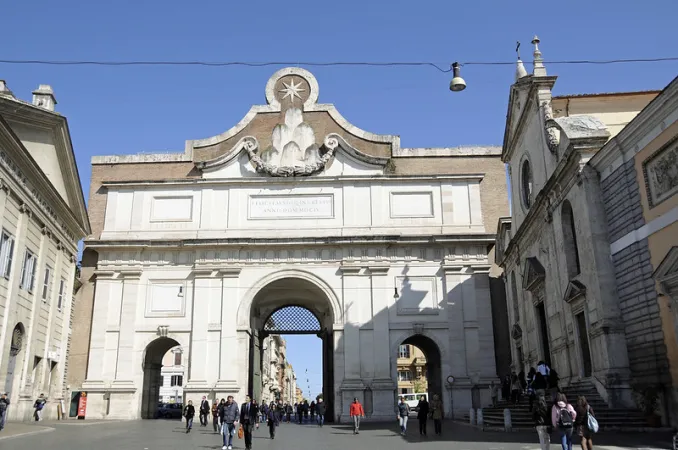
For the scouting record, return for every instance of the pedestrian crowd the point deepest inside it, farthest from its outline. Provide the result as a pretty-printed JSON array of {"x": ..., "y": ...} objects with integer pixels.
[
  {"x": 550, "y": 408},
  {"x": 229, "y": 419}
]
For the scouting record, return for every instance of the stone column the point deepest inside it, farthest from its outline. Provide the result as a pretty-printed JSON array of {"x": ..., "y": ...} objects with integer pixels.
[
  {"x": 383, "y": 386},
  {"x": 124, "y": 369},
  {"x": 352, "y": 385},
  {"x": 229, "y": 356}
]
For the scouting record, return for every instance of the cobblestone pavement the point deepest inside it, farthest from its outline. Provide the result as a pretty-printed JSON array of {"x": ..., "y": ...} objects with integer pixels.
[{"x": 170, "y": 435}]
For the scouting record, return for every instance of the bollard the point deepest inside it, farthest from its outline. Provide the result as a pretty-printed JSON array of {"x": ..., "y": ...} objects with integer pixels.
[
  {"x": 507, "y": 420},
  {"x": 472, "y": 416},
  {"x": 479, "y": 418}
]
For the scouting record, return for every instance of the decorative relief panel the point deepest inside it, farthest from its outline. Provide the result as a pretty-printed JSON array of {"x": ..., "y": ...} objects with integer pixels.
[
  {"x": 172, "y": 209},
  {"x": 417, "y": 295},
  {"x": 411, "y": 204},
  {"x": 165, "y": 298},
  {"x": 661, "y": 173}
]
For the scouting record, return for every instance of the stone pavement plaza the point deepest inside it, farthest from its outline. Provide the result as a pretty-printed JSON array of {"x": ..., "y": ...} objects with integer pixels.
[{"x": 170, "y": 435}]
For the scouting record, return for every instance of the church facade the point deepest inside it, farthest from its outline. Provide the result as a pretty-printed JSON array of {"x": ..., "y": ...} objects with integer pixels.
[{"x": 292, "y": 221}]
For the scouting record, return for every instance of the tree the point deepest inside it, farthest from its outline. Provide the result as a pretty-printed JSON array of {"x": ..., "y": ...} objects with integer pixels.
[{"x": 418, "y": 386}]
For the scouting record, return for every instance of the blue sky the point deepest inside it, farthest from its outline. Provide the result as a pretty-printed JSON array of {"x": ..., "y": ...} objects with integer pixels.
[
  {"x": 121, "y": 110},
  {"x": 305, "y": 354}
]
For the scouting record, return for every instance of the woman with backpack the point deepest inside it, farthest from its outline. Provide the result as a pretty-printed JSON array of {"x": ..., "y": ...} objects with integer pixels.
[
  {"x": 563, "y": 416},
  {"x": 541, "y": 422},
  {"x": 583, "y": 411}
]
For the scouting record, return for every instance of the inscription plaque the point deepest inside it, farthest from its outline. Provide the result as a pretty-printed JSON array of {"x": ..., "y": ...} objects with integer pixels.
[{"x": 299, "y": 206}]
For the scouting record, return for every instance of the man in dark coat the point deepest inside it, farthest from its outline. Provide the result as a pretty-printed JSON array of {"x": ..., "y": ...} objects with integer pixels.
[
  {"x": 248, "y": 420},
  {"x": 204, "y": 411},
  {"x": 422, "y": 414}
]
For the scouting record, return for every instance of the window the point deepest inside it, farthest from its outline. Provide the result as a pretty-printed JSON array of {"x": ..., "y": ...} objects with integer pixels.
[
  {"x": 6, "y": 253},
  {"x": 404, "y": 375},
  {"x": 47, "y": 284},
  {"x": 526, "y": 184},
  {"x": 28, "y": 271},
  {"x": 177, "y": 359},
  {"x": 404, "y": 351},
  {"x": 177, "y": 380},
  {"x": 62, "y": 291},
  {"x": 570, "y": 240}
]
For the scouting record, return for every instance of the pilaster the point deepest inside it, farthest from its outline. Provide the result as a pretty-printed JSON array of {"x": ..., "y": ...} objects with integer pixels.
[
  {"x": 206, "y": 283},
  {"x": 228, "y": 351},
  {"x": 124, "y": 368}
]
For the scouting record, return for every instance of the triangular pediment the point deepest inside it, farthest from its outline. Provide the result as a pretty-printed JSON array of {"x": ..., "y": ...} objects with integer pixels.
[
  {"x": 533, "y": 272},
  {"x": 669, "y": 265},
  {"x": 293, "y": 136},
  {"x": 575, "y": 289}
]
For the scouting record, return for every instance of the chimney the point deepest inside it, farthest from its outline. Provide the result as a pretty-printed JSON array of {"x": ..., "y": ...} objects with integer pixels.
[
  {"x": 4, "y": 89},
  {"x": 43, "y": 97}
]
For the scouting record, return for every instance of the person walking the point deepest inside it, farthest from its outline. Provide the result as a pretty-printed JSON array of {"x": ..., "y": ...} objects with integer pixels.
[
  {"x": 306, "y": 408},
  {"x": 563, "y": 416},
  {"x": 506, "y": 388},
  {"x": 402, "y": 415},
  {"x": 437, "y": 414},
  {"x": 422, "y": 414},
  {"x": 312, "y": 410},
  {"x": 541, "y": 422},
  {"x": 553, "y": 381},
  {"x": 4, "y": 403},
  {"x": 189, "y": 413},
  {"x": 273, "y": 420},
  {"x": 288, "y": 411},
  {"x": 582, "y": 422},
  {"x": 204, "y": 411},
  {"x": 494, "y": 393},
  {"x": 516, "y": 389},
  {"x": 539, "y": 385},
  {"x": 356, "y": 412},
  {"x": 39, "y": 405},
  {"x": 248, "y": 420},
  {"x": 215, "y": 416},
  {"x": 321, "y": 409},
  {"x": 228, "y": 417},
  {"x": 543, "y": 368}
]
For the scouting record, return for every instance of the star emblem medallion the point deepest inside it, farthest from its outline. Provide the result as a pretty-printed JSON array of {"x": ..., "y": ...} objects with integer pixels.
[{"x": 292, "y": 90}]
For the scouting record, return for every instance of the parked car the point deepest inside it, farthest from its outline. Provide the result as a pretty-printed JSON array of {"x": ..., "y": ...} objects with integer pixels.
[
  {"x": 412, "y": 400},
  {"x": 170, "y": 411}
]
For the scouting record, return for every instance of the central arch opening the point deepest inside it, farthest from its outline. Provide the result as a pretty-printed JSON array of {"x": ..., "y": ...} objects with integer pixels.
[
  {"x": 291, "y": 347},
  {"x": 153, "y": 379}
]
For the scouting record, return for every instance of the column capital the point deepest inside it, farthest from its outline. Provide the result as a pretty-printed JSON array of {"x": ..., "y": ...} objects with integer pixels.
[
  {"x": 348, "y": 269},
  {"x": 212, "y": 271},
  {"x": 379, "y": 269}
]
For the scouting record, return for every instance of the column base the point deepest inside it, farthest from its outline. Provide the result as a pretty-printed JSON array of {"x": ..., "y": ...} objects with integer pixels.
[{"x": 197, "y": 386}]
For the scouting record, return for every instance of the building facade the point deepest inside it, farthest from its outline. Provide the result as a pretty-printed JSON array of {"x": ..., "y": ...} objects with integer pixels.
[
  {"x": 173, "y": 373},
  {"x": 574, "y": 298},
  {"x": 43, "y": 218},
  {"x": 278, "y": 381},
  {"x": 294, "y": 220},
  {"x": 412, "y": 370}
]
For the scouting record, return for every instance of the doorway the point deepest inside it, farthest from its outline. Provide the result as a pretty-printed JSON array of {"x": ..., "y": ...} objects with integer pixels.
[
  {"x": 544, "y": 333},
  {"x": 584, "y": 348},
  {"x": 152, "y": 367}
]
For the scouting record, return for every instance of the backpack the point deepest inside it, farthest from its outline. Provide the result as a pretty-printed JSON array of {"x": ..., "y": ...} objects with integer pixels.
[{"x": 565, "y": 420}]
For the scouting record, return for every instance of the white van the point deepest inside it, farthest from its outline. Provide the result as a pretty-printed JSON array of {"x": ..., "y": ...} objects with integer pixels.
[{"x": 412, "y": 400}]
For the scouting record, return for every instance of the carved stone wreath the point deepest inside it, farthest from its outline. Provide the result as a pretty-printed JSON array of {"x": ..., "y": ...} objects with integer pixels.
[
  {"x": 251, "y": 145},
  {"x": 550, "y": 128}
]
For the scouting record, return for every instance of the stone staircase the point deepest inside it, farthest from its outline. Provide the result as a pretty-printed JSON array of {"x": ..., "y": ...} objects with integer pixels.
[{"x": 608, "y": 418}]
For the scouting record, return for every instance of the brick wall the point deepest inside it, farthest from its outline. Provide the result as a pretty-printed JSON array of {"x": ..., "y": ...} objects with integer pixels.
[
  {"x": 640, "y": 312},
  {"x": 621, "y": 196}
]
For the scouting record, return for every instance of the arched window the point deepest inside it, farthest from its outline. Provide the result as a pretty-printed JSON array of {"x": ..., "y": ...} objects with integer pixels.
[
  {"x": 514, "y": 298},
  {"x": 526, "y": 187},
  {"x": 570, "y": 240}
]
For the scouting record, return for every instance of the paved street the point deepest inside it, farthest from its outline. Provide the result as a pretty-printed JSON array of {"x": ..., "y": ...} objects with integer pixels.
[{"x": 169, "y": 435}]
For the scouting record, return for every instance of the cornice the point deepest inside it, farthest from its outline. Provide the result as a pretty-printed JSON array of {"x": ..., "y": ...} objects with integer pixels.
[
  {"x": 329, "y": 240},
  {"x": 188, "y": 182}
]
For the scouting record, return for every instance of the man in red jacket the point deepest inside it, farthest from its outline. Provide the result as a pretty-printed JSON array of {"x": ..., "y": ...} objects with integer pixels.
[{"x": 357, "y": 412}]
